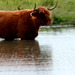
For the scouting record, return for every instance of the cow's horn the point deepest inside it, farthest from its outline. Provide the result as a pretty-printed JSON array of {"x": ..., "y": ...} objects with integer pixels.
[
  {"x": 53, "y": 7},
  {"x": 35, "y": 7}
]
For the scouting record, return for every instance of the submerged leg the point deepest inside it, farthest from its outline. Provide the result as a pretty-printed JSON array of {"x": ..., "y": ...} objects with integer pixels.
[{"x": 9, "y": 38}]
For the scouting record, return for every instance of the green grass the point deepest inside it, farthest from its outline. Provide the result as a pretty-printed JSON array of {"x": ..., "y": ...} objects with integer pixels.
[{"x": 63, "y": 14}]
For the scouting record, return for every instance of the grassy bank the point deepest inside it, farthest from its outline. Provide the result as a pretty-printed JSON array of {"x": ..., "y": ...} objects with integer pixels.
[{"x": 63, "y": 14}]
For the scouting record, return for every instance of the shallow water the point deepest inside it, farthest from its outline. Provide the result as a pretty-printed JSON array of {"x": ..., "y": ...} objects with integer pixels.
[{"x": 52, "y": 53}]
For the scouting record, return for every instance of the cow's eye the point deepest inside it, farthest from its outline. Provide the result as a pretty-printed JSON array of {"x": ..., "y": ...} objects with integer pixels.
[{"x": 42, "y": 15}]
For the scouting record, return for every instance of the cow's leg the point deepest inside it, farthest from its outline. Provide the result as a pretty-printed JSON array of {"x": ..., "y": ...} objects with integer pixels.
[
  {"x": 27, "y": 38},
  {"x": 9, "y": 38},
  {"x": 23, "y": 38}
]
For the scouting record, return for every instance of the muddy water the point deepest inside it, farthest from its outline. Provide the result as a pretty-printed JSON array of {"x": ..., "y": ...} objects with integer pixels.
[{"x": 52, "y": 53}]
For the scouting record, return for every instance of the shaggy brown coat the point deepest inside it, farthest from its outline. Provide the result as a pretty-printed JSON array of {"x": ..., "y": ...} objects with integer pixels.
[{"x": 23, "y": 24}]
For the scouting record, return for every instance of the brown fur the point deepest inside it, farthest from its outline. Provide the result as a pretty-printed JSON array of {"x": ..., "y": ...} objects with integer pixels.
[{"x": 20, "y": 24}]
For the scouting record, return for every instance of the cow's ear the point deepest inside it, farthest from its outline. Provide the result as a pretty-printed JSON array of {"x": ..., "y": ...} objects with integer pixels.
[{"x": 33, "y": 14}]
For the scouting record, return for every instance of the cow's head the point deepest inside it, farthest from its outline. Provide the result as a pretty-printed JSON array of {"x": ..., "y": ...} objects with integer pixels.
[{"x": 42, "y": 15}]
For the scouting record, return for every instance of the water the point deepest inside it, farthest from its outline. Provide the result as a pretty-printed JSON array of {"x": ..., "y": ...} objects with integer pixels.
[{"x": 52, "y": 53}]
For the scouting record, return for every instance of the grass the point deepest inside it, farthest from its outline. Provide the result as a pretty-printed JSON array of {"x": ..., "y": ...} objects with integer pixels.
[{"x": 63, "y": 14}]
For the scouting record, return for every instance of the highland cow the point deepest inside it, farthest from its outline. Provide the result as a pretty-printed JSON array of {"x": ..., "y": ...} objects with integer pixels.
[{"x": 23, "y": 24}]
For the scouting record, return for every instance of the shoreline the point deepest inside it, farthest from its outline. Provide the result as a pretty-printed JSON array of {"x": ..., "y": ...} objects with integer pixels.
[{"x": 56, "y": 26}]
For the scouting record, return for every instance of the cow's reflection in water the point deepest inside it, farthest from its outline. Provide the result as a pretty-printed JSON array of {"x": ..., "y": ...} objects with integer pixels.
[{"x": 22, "y": 53}]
